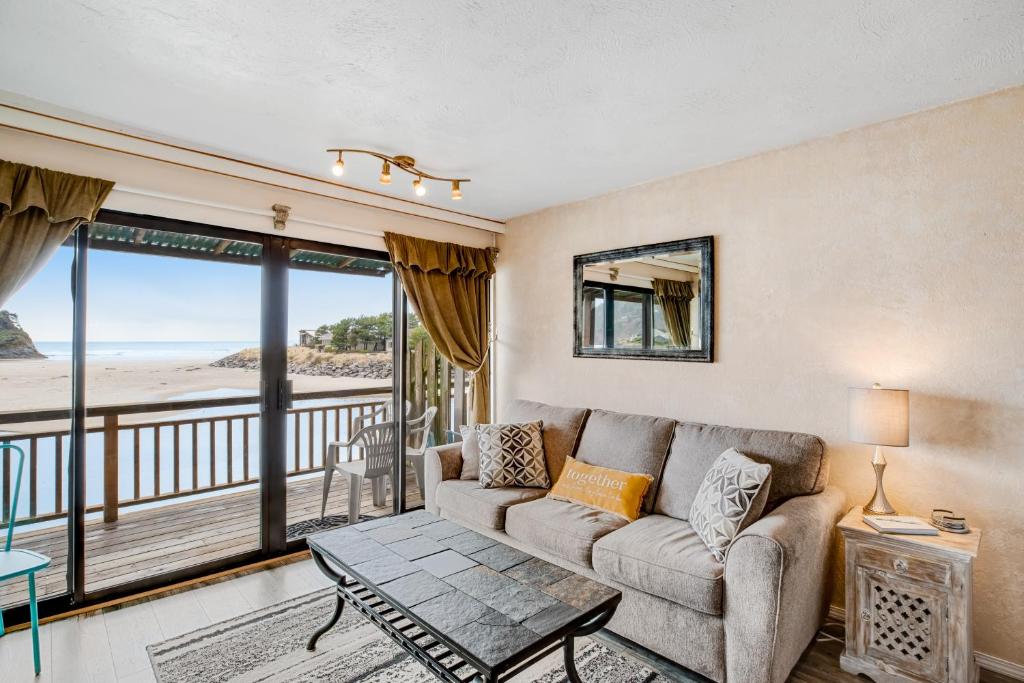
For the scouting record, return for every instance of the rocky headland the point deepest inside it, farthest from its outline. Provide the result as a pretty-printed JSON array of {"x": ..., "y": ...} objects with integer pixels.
[
  {"x": 304, "y": 361},
  {"x": 14, "y": 341}
]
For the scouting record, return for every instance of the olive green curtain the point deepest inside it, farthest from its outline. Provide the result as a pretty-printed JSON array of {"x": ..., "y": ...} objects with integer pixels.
[
  {"x": 674, "y": 298},
  {"x": 447, "y": 285},
  {"x": 39, "y": 208}
]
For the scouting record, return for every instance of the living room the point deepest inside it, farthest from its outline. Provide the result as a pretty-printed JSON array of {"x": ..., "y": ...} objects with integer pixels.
[{"x": 702, "y": 321}]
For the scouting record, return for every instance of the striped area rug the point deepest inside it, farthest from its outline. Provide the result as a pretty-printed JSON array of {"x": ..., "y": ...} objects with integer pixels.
[{"x": 269, "y": 645}]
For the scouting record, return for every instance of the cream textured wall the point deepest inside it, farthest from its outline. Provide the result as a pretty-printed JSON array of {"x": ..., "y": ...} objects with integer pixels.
[{"x": 893, "y": 253}]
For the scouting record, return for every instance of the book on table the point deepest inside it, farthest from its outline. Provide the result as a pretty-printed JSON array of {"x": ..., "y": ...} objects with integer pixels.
[{"x": 895, "y": 524}]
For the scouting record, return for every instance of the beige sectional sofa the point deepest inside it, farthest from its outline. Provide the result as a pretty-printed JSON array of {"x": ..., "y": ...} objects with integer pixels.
[{"x": 747, "y": 619}]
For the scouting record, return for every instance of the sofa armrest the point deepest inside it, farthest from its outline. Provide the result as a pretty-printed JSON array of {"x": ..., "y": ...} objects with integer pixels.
[
  {"x": 440, "y": 463},
  {"x": 776, "y": 586}
]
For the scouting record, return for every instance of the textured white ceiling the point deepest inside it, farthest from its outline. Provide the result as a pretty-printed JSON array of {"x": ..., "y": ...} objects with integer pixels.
[{"x": 539, "y": 101}]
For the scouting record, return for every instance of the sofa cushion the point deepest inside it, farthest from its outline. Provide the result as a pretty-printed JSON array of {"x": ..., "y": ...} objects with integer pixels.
[
  {"x": 470, "y": 453},
  {"x": 731, "y": 498},
  {"x": 566, "y": 530},
  {"x": 512, "y": 455},
  {"x": 798, "y": 461},
  {"x": 664, "y": 557},
  {"x": 632, "y": 443},
  {"x": 620, "y": 493},
  {"x": 560, "y": 432},
  {"x": 464, "y": 500}
]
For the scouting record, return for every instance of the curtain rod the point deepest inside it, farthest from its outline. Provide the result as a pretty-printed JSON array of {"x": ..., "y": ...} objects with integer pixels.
[
  {"x": 243, "y": 209},
  {"x": 240, "y": 177}
]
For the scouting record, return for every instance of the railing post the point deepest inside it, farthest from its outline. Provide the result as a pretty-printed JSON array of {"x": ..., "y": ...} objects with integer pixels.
[{"x": 110, "y": 457}]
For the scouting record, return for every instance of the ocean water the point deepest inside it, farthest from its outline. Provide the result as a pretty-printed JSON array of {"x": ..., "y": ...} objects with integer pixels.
[{"x": 146, "y": 350}]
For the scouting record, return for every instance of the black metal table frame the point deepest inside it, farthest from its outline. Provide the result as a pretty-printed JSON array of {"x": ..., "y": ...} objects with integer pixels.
[{"x": 387, "y": 615}]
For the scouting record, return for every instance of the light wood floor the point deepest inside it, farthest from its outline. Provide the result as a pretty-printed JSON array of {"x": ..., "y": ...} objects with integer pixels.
[
  {"x": 178, "y": 535},
  {"x": 110, "y": 645}
]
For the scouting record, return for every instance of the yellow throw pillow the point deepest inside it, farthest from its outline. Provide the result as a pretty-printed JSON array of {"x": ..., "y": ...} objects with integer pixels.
[{"x": 614, "y": 491}]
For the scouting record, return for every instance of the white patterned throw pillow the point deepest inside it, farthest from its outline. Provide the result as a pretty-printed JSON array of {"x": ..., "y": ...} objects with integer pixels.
[
  {"x": 731, "y": 498},
  {"x": 512, "y": 455}
]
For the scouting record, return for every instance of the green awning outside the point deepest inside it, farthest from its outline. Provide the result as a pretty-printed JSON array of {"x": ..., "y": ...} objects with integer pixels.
[{"x": 181, "y": 245}]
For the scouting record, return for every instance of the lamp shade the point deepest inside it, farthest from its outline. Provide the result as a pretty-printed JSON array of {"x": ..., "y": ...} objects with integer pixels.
[{"x": 880, "y": 416}]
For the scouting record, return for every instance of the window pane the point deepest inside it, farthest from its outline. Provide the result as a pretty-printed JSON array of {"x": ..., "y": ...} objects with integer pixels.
[
  {"x": 593, "y": 317},
  {"x": 35, "y": 383},
  {"x": 173, "y": 317},
  {"x": 629, "y": 320},
  {"x": 340, "y": 339}
]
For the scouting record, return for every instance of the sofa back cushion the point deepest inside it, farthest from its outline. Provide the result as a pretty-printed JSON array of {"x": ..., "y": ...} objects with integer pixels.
[
  {"x": 799, "y": 466},
  {"x": 560, "y": 431},
  {"x": 631, "y": 443}
]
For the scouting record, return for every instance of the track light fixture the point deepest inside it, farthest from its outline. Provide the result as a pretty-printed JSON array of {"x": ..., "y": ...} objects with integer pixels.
[{"x": 405, "y": 163}]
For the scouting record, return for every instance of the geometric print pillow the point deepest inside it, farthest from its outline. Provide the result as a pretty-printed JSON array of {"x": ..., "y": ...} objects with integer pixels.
[
  {"x": 512, "y": 455},
  {"x": 731, "y": 498}
]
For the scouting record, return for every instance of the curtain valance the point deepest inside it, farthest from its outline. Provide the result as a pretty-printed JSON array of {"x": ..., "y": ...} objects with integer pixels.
[
  {"x": 39, "y": 208},
  {"x": 672, "y": 288},
  {"x": 443, "y": 257}
]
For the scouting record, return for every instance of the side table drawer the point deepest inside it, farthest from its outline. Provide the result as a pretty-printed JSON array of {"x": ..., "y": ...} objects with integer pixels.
[{"x": 906, "y": 565}]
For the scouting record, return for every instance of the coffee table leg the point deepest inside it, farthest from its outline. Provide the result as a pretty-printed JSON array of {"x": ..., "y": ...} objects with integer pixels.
[
  {"x": 338, "y": 606},
  {"x": 311, "y": 645},
  {"x": 570, "y": 661},
  {"x": 568, "y": 648}
]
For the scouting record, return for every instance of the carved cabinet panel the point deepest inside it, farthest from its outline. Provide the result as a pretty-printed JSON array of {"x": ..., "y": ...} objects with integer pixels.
[{"x": 902, "y": 623}]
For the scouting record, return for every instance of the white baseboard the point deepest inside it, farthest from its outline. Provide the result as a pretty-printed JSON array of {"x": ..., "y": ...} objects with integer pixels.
[{"x": 985, "y": 661}]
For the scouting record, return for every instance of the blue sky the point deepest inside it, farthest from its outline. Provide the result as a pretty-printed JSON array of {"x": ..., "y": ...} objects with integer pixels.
[{"x": 136, "y": 297}]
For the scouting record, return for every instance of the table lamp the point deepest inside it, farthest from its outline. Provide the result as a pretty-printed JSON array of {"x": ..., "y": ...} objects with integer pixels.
[{"x": 880, "y": 417}]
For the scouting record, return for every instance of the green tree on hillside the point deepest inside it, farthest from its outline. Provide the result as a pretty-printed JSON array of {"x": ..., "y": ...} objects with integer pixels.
[{"x": 369, "y": 331}]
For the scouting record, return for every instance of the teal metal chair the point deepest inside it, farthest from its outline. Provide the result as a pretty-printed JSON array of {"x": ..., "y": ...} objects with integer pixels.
[{"x": 15, "y": 562}]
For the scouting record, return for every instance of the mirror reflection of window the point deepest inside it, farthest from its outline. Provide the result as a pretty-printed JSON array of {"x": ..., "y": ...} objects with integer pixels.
[{"x": 650, "y": 302}]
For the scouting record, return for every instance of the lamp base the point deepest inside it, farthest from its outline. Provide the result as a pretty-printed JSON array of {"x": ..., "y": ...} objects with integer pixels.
[{"x": 879, "y": 504}]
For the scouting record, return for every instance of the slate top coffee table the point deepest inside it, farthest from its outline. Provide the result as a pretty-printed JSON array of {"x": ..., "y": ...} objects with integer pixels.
[{"x": 462, "y": 604}]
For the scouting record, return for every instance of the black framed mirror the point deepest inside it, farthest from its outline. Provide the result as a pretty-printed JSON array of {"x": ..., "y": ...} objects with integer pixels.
[{"x": 653, "y": 302}]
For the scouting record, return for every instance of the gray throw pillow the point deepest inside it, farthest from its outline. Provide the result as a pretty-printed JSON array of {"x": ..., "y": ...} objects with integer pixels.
[
  {"x": 731, "y": 498},
  {"x": 470, "y": 453},
  {"x": 512, "y": 455}
]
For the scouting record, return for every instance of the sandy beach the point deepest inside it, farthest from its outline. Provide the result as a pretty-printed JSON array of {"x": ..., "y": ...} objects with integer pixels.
[{"x": 42, "y": 384}]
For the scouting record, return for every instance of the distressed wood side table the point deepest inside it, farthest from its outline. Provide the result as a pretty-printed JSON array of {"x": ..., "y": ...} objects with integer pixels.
[{"x": 908, "y": 604}]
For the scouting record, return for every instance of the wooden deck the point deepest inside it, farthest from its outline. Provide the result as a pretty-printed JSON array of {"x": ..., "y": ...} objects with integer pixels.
[{"x": 143, "y": 543}]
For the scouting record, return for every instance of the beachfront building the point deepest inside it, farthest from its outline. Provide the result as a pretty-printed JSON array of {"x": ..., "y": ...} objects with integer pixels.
[
  {"x": 314, "y": 339},
  {"x": 556, "y": 319}
]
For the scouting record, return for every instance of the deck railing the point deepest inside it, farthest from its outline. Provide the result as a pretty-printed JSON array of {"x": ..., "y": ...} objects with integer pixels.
[{"x": 175, "y": 456}]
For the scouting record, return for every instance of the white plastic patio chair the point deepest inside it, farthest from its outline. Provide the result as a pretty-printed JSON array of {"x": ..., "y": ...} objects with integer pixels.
[
  {"x": 418, "y": 433},
  {"x": 377, "y": 446}
]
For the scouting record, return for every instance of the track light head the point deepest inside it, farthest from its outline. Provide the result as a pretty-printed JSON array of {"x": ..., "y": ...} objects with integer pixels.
[
  {"x": 456, "y": 192},
  {"x": 418, "y": 187},
  {"x": 385, "y": 174},
  {"x": 339, "y": 166}
]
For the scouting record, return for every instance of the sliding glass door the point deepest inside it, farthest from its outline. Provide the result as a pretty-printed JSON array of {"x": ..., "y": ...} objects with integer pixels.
[{"x": 194, "y": 387}]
